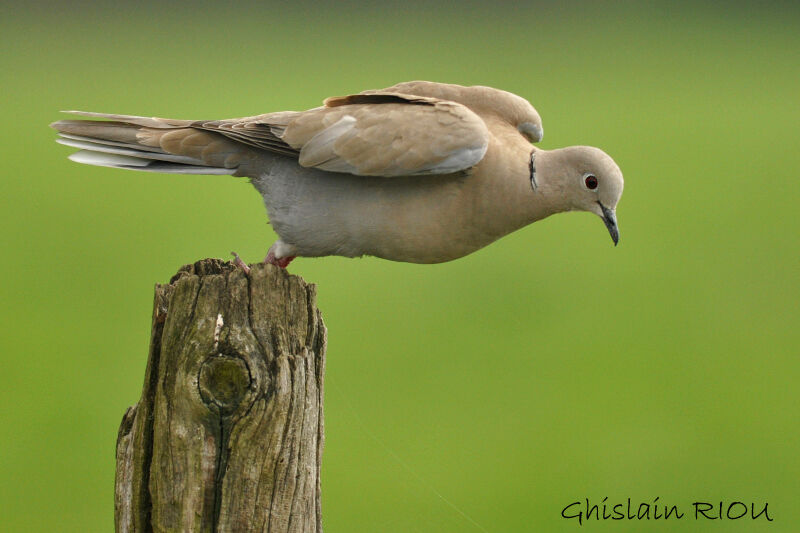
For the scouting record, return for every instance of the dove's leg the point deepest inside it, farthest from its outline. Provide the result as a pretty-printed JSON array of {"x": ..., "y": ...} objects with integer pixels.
[{"x": 280, "y": 254}]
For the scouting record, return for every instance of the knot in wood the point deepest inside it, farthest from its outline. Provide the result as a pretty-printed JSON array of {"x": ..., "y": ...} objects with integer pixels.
[{"x": 223, "y": 382}]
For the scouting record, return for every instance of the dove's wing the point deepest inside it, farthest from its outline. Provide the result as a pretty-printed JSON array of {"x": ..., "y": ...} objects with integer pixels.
[{"x": 378, "y": 134}]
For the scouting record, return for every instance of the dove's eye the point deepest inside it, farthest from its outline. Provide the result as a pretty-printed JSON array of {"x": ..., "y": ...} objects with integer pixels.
[{"x": 590, "y": 181}]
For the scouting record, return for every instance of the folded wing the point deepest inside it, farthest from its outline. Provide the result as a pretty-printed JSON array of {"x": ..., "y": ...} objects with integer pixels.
[
  {"x": 378, "y": 134},
  {"x": 388, "y": 135}
]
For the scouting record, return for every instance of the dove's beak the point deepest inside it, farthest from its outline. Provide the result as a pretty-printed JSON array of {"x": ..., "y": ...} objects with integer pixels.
[{"x": 610, "y": 218}]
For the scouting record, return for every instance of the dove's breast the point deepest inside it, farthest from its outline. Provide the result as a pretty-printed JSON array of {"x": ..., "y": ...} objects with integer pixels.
[{"x": 418, "y": 219}]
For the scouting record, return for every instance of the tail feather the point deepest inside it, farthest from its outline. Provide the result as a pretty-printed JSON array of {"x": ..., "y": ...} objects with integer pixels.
[
  {"x": 148, "y": 122},
  {"x": 106, "y": 142},
  {"x": 148, "y": 144},
  {"x": 101, "y": 130},
  {"x": 101, "y": 159},
  {"x": 142, "y": 154}
]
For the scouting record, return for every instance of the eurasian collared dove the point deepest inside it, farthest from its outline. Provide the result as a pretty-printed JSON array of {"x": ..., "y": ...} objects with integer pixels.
[{"x": 420, "y": 172}]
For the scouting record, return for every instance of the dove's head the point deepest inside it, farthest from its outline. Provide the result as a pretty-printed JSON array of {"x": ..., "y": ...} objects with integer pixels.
[{"x": 585, "y": 178}]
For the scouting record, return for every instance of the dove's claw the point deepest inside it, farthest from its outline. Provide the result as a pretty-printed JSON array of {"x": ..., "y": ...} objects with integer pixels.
[{"x": 238, "y": 262}]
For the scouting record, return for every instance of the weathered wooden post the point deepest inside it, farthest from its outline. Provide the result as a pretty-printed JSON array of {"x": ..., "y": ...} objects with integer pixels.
[{"x": 228, "y": 433}]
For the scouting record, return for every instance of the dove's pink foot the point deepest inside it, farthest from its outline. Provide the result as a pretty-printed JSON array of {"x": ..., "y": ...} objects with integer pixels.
[
  {"x": 280, "y": 254},
  {"x": 283, "y": 262}
]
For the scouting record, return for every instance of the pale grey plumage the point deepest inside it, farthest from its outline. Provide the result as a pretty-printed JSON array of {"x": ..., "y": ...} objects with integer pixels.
[{"x": 419, "y": 172}]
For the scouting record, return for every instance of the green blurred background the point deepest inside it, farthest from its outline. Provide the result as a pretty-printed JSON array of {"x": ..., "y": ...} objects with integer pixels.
[{"x": 545, "y": 369}]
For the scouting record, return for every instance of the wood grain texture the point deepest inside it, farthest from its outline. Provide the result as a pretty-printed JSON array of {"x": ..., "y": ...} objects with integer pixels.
[{"x": 228, "y": 433}]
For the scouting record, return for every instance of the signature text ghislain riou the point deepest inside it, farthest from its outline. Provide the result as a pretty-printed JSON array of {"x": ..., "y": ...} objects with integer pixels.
[{"x": 699, "y": 510}]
